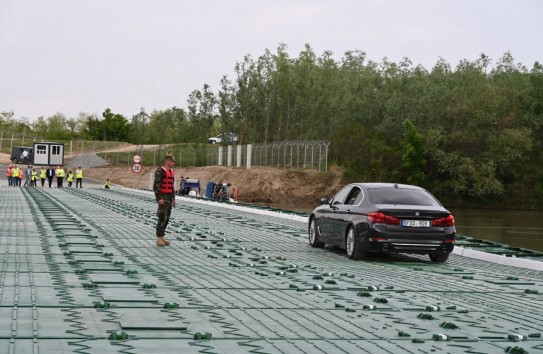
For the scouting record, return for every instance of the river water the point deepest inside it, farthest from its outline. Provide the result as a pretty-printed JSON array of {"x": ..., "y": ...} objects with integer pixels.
[{"x": 515, "y": 228}]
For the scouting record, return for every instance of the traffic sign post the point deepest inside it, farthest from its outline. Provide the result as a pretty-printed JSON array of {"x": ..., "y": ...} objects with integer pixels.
[
  {"x": 137, "y": 158},
  {"x": 136, "y": 168}
]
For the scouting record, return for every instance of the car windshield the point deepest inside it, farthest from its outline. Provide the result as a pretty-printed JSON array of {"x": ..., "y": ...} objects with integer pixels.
[{"x": 402, "y": 196}]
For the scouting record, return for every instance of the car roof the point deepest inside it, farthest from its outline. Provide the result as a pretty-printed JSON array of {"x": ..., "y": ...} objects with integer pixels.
[{"x": 369, "y": 185}]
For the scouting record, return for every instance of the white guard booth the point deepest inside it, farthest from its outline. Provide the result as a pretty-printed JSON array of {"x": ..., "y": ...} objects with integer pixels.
[{"x": 48, "y": 153}]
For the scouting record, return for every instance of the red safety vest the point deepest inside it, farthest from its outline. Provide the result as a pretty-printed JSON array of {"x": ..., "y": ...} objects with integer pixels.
[{"x": 167, "y": 182}]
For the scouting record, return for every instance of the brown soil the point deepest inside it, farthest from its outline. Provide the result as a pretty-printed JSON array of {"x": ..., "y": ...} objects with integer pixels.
[
  {"x": 271, "y": 185},
  {"x": 290, "y": 189}
]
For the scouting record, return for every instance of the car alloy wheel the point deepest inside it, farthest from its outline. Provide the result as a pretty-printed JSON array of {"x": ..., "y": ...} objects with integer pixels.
[
  {"x": 314, "y": 235},
  {"x": 350, "y": 242},
  {"x": 353, "y": 246}
]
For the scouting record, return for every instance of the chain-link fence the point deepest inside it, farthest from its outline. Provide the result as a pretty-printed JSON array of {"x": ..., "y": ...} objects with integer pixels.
[
  {"x": 292, "y": 154},
  {"x": 282, "y": 154}
]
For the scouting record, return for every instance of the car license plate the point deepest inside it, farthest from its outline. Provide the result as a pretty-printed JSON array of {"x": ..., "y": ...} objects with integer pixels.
[{"x": 416, "y": 223}]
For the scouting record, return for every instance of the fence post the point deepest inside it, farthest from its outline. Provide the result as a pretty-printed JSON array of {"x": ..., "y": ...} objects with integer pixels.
[
  {"x": 1, "y": 137},
  {"x": 249, "y": 154},
  {"x": 220, "y": 156},
  {"x": 238, "y": 162},
  {"x": 326, "y": 158},
  {"x": 320, "y": 156},
  {"x": 229, "y": 156}
]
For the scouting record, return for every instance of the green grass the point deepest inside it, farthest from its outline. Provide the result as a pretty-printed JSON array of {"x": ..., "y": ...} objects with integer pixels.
[
  {"x": 76, "y": 146},
  {"x": 185, "y": 155}
]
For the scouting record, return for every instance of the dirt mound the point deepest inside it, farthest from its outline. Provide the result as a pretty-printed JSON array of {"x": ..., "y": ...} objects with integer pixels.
[{"x": 257, "y": 185}]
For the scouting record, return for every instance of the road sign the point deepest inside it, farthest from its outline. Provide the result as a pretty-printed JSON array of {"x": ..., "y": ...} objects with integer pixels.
[
  {"x": 136, "y": 168},
  {"x": 137, "y": 158}
]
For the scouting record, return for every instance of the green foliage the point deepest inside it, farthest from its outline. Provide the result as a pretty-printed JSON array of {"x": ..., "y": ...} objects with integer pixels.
[
  {"x": 470, "y": 133},
  {"x": 368, "y": 156},
  {"x": 413, "y": 156}
]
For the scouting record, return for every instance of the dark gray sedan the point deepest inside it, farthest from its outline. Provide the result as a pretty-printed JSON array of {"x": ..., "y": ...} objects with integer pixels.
[{"x": 383, "y": 218}]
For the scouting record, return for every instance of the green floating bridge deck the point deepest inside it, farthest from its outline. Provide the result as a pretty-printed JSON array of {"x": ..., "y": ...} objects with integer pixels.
[{"x": 81, "y": 274}]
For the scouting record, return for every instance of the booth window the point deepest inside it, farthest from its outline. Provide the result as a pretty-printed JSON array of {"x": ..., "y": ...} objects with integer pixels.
[{"x": 41, "y": 149}]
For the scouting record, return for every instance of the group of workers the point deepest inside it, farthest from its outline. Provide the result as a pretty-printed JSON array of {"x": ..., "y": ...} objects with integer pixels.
[{"x": 15, "y": 176}]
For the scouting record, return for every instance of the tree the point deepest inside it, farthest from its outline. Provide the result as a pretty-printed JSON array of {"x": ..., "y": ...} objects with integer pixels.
[
  {"x": 139, "y": 125},
  {"x": 202, "y": 113},
  {"x": 115, "y": 127},
  {"x": 413, "y": 156}
]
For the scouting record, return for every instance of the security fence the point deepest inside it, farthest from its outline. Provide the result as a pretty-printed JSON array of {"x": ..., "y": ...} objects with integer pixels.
[
  {"x": 292, "y": 154},
  {"x": 282, "y": 154}
]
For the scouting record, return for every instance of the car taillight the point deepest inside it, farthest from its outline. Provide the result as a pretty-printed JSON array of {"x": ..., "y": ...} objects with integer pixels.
[
  {"x": 447, "y": 221},
  {"x": 449, "y": 241},
  {"x": 380, "y": 218}
]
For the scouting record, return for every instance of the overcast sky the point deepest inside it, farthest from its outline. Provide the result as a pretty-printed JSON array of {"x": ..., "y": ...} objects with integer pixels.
[{"x": 74, "y": 56}]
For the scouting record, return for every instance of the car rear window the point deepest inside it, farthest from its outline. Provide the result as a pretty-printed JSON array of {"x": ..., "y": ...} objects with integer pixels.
[{"x": 402, "y": 196}]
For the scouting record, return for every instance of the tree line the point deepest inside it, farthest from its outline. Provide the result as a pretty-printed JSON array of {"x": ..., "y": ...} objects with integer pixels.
[{"x": 471, "y": 134}]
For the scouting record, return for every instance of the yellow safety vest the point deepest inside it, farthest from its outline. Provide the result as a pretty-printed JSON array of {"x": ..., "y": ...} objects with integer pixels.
[
  {"x": 60, "y": 172},
  {"x": 79, "y": 174},
  {"x": 70, "y": 177},
  {"x": 42, "y": 174},
  {"x": 34, "y": 175},
  {"x": 15, "y": 172}
]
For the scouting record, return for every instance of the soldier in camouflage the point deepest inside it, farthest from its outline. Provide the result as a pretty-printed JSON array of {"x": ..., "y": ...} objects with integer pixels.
[{"x": 165, "y": 197}]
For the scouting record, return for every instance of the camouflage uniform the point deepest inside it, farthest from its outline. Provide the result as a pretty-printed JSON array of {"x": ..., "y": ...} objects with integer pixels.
[{"x": 165, "y": 210}]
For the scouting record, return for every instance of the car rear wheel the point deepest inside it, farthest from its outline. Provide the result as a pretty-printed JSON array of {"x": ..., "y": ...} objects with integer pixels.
[
  {"x": 314, "y": 235},
  {"x": 15, "y": 160},
  {"x": 439, "y": 257},
  {"x": 353, "y": 245}
]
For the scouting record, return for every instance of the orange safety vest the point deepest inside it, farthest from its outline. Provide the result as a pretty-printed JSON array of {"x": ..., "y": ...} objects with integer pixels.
[
  {"x": 9, "y": 171},
  {"x": 167, "y": 182}
]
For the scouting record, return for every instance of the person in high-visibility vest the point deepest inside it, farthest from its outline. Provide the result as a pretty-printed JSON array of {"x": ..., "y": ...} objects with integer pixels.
[
  {"x": 33, "y": 177},
  {"x": 70, "y": 178},
  {"x": 15, "y": 176},
  {"x": 43, "y": 175},
  {"x": 60, "y": 176},
  {"x": 79, "y": 177},
  {"x": 165, "y": 197},
  {"x": 107, "y": 185},
  {"x": 9, "y": 173}
]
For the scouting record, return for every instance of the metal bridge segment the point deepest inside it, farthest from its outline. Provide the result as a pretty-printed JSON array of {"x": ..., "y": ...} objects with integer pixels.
[{"x": 81, "y": 274}]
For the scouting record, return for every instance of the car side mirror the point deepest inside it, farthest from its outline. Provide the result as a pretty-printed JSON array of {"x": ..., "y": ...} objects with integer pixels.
[{"x": 325, "y": 201}]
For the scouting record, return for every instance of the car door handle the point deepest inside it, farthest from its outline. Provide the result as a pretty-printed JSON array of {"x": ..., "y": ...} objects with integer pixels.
[{"x": 348, "y": 211}]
